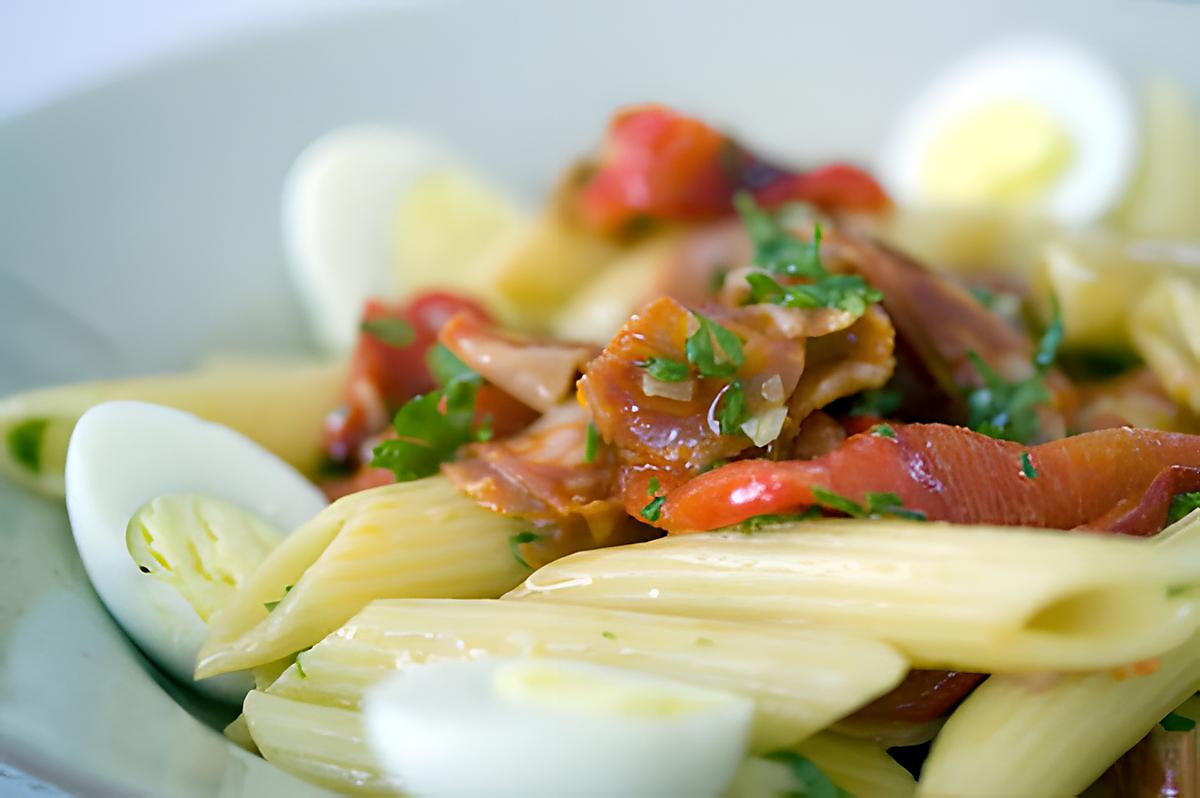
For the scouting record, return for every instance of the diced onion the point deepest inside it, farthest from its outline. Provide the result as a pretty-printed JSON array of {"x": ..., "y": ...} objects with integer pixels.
[
  {"x": 772, "y": 389},
  {"x": 764, "y": 427},
  {"x": 682, "y": 391}
]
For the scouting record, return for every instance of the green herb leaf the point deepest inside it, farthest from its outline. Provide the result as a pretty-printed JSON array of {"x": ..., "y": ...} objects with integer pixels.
[
  {"x": 1181, "y": 505},
  {"x": 984, "y": 296},
  {"x": 515, "y": 542},
  {"x": 593, "y": 443},
  {"x": 811, "y": 780},
  {"x": 1027, "y": 469},
  {"x": 776, "y": 249},
  {"x": 721, "y": 361},
  {"x": 608, "y": 635},
  {"x": 430, "y": 429},
  {"x": 878, "y": 505},
  {"x": 881, "y": 504},
  {"x": 1008, "y": 410},
  {"x": 756, "y": 523},
  {"x": 653, "y": 486},
  {"x": 883, "y": 431},
  {"x": 25, "y": 442},
  {"x": 392, "y": 331},
  {"x": 445, "y": 366},
  {"x": 834, "y": 501},
  {"x": 881, "y": 402},
  {"x": 732, "y": 412},
  {"x": 653, "y": 510},
  {"x": 1175, "y": 722},
  {"x": 1047, "y": 348},
  {"x": 665, "y": 369}
]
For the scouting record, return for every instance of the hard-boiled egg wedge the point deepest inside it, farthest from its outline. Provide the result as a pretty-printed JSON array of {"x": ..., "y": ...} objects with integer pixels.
[
  {"x": 170, "y": 513},
  {"x": 1034, "y": 122},
  {"x": 377, "y": 212},
  {"x": 545, "y": 727}
]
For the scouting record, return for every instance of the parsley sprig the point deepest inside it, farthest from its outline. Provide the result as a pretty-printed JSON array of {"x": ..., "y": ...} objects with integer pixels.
[
  {"x": 811, "y": 779},
  {"x": 431, "y": 427},
  {"x": 878, "y": 505},
  {"x": 391, "y": 331},
  {"x": 777, "y": 250},
  {"x": 1008, "y": 410},
  {"x": 664, "y": 369},
  {"x": 1181, "y": 505},
  {"x": 714, "y": 350}
]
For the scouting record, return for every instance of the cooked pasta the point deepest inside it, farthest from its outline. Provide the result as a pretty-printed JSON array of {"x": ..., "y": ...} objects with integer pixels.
[
  {"x": 419, "y": 538},
  {"x": 280, "y": 406},
  {"x": 801, "y": 680},
  {"x": 1014, "y": 738},
  {"x": 964, "y": 598},
  {"x": 1166, "y": 333},
  {"x": 860, "y": 768}
]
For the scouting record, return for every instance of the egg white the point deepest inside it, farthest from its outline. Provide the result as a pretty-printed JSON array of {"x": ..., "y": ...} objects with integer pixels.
[
  {"x": 544, "y": 727},
  {"x": 123, "y": 454},
  {"x": 339, "y": 204},
  {"x": 1077, "y": 89}
]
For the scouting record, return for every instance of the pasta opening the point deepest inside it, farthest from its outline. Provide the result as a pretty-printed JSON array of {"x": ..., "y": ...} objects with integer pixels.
[{"x": 1094, "y": 613}]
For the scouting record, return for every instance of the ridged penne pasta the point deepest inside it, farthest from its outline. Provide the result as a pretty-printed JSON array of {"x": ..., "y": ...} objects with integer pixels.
[
  {"x": 280, "y": 406},
  {"x": 965, "y": 598},
  {"x": 1013, "y": 738},
  {"x": 419, "y": 539},
  {"x": 801, "y": 680},
  {"x": 862, "y": 769},
  {"x": 1166, "y": 333},
  {"x": 324, "y": 745}
]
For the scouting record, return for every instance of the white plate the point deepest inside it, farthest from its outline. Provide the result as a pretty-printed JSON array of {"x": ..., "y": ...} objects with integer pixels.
[{"x": 139, "y": 230}]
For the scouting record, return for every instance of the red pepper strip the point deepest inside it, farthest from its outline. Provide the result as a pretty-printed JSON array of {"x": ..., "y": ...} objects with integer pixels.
[
  {"x": 948, "y": 473},
  {"x": 660, "y": 164}
]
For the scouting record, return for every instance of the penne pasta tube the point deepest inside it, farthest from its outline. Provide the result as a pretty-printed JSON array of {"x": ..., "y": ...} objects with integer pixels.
[
  {"x": 859, "y": 768},
  {"x": 281, "y": 406},
  {"x": 421, "y": 539},
  {"x": 1013, "y": 738},
  {"x": 323, "y": 745},
  {"x": 964, "y": 598},
  {"x": 801, "y": 680}
]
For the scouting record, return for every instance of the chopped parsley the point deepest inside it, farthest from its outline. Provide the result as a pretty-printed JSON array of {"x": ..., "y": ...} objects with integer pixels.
[
  {"x": 756, "y": 523},
  {"x": 270, "y": 605},
  {"x": 592, "y": 444},
  {"x": 391, "y": 331},
  {"x": 484, "y": 431},
  {"x": 25, "y": 442},
  {"x": 516, "y": 541},
  {"x": 653, "y": 486},
  {"x": 777, "y": 250},
  {"x": 608, "y": 635},
  {"x": 1174, "y": 722},
  {"x": 1008, "y": 410},
  {"x": 811, "y": 780},
  {"x": 1027, "y": 469},
  {"x": 881, "y": 402},
  {"x": 732, "y": 412},
  {"x": 877, "y": 505},
  {"x": 847, "y": 292},
  {"x": 445, "y": 366},
  {"x": 720, "y": 361},
  {"x": 664, "y": 369},
  {"x": 1181, "y": 505},
  {"x": 984, "y": 296},
  {"x": 883, "y": 431},
  {"x": 653, "y": 509},
  {"x": 431, "y": 427}
]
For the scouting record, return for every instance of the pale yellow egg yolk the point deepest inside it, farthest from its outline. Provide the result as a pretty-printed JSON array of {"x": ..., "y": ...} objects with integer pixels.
[{"x": 1009, "y": 153}]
